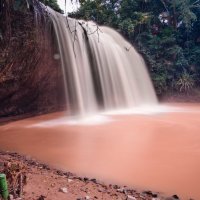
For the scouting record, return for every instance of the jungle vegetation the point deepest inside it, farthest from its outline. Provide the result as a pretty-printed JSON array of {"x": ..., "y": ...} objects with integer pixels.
[{"x": 165, "y": 32}]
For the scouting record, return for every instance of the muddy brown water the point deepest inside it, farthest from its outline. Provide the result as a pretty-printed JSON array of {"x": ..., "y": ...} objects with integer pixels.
[{"x": 160, "y": 152}]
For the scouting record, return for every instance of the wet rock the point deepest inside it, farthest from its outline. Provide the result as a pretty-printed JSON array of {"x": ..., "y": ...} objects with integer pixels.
[
  {"x": 13, "y": 154},
  {"x": 42, "y": 197},
  {"x": 80, "y": 178},
  {"x": 121, "y": 190},
  {"x": 31, "y": 162},
  {"x": 154, "y": 195},
  {"x": 104, "y": 186},
  {"x": 68, "y": 174},
  {"x": 64, "y": 190},
  {"x": 85, "y": 179},
  {"x": 110, "y": 185},
  {"x": 175, "y": 196},
  {"x": 46, "y": 167},
  {"x": 129, "y": 191},
  {"x": 100, "y": 190},
  {"x": 60, "y": 173},
  {"x": 129, "y": 197},
  {"x": 116, "y": 187},
  {"x": 93, "y": 180},
  {"x": 148, "y": 193}
]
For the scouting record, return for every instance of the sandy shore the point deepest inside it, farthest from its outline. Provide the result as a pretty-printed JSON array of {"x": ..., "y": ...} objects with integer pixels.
[{"x": 44, "y": 182}]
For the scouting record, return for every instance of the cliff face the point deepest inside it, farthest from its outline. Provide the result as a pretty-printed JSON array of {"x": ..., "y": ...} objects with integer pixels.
[{"x": 31, "y": 79}]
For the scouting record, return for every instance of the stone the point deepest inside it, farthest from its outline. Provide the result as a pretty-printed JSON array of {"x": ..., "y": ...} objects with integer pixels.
[
  {"x": 154, "y": 195},
  {"x": 60, "y": 173},
  {"x": 69, "y": 180},
  {"x": 129, "y": 197},
  {"x": 143, "y": 196},
  {"x": 116, "y": 187},
  {"x": 93, "y": 180},
  {"x": 121, "y": 190},
  {"x": 46, "y": 167},
  {"x": 148, "y": 193},
  {"x": 87, "y": 197},
  {"x": 101, "y": 190},
  {"x": 42, "y": 197},
  {"x": 11, "y": 197},
  {"x": 85, "y": 179},
  {"x": 64, "y": 190},
  {"x": 68, "y": 174},
  {"x": 175, "y": 196},
  {"x": 53, "y": 185}
]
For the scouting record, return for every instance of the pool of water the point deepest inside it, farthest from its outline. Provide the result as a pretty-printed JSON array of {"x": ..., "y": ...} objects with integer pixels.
[{"x": 157, "y": 150}]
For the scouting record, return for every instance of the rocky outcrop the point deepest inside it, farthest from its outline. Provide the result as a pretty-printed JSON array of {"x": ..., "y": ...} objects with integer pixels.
[{"x": 30, "y": 72}]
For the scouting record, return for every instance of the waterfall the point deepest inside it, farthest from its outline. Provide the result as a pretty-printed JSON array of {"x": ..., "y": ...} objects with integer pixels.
[{"x": 101, "y": 70}]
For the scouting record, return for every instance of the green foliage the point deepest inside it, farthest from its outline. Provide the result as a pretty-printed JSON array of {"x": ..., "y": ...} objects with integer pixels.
[
  {"x": 166, "y": 33},
  {"x": 185, "y": 11},
  {"x": 21, "y": 5},
  {"x": 127, "y": 26},
  {"x": 185, "y": 83},
  {"x": 53, "y": 4}
]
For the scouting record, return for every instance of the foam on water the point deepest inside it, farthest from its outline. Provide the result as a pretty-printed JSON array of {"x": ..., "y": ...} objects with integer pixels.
[{"x": 107, "y": 117}]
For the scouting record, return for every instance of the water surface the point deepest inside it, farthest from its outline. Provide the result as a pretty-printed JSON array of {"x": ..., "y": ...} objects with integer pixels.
[{"x": 159, "y": 151}]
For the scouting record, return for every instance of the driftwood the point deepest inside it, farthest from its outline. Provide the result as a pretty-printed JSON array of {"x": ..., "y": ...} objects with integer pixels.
[{"x": 16, "y": 177}]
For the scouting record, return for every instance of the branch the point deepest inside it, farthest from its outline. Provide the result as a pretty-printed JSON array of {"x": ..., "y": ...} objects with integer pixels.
[
  {"x": 74, "y": 37},
  {"x": 128, "y": 49},
  {"x": 164, "y": 4},
  {"x": 97, "y": 30},
  {"x": 68, "y": 26}
]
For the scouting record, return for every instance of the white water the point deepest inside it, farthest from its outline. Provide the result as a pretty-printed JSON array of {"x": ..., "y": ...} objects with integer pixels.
[{"x": 102, "y": 71}]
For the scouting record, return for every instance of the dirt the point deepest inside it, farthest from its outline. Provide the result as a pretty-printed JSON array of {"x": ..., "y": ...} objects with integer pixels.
[{"x": 45, "y": 182}]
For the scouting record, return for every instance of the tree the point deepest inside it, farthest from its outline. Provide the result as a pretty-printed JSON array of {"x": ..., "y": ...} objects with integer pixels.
[
  {"x": 53, "y": 4},
  {"x": 167, "y": 33}
]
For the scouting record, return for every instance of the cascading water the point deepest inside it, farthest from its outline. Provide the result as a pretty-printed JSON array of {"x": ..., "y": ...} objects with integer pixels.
[{"x": 102, "y": 71}]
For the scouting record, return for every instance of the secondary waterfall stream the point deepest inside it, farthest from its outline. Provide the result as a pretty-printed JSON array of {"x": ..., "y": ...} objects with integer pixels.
[{"x": 102, "y": 71}]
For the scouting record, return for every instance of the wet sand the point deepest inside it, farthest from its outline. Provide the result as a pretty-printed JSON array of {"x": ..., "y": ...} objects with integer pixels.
[{"x": 160, "y": 152}]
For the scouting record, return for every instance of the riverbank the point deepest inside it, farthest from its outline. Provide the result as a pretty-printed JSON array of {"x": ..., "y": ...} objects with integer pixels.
[
  {"x": 177, "y": 97},
  {"x": 44, "y": 182}
]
